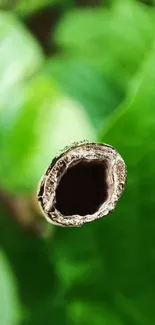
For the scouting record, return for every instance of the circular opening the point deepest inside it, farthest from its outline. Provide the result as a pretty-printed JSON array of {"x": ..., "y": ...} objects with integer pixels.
[{"x": 82, "y": 189}]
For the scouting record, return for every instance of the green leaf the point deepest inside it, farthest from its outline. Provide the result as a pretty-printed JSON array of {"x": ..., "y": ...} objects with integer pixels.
[
  {"x": 44, "y": 122},
  {"x": 98, "y": 94},
  {"x": 114, "y": 39},
  {"x": 9, "y": 305},
  {"x": 129, "y": 231},
  {"x": 20, "y": 55}
]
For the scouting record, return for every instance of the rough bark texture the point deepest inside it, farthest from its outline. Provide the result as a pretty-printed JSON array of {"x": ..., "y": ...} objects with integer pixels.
[{"x": 82, "y": 184}]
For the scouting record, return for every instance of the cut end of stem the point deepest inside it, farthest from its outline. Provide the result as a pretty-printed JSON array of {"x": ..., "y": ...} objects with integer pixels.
[
  {"x": 82, "y": 189},
  {"x": 84, "y": 183}
]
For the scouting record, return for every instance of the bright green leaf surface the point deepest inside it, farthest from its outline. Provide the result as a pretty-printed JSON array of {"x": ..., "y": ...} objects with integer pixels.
[
  {"x": 20, "y": 55},
  {"x": 132, "y": 132},
  {"x": 115, "y": 39},
  {"x": 96, "y": 92},
  {"x": 44, "y": 123}
]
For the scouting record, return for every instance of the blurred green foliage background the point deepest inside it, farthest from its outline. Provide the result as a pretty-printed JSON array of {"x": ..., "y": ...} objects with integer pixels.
[{"x": 73, "y": 70}]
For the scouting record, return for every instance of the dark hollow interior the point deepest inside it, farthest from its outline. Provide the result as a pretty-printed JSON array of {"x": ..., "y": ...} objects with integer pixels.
[{"x": 82, "y": 189}]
